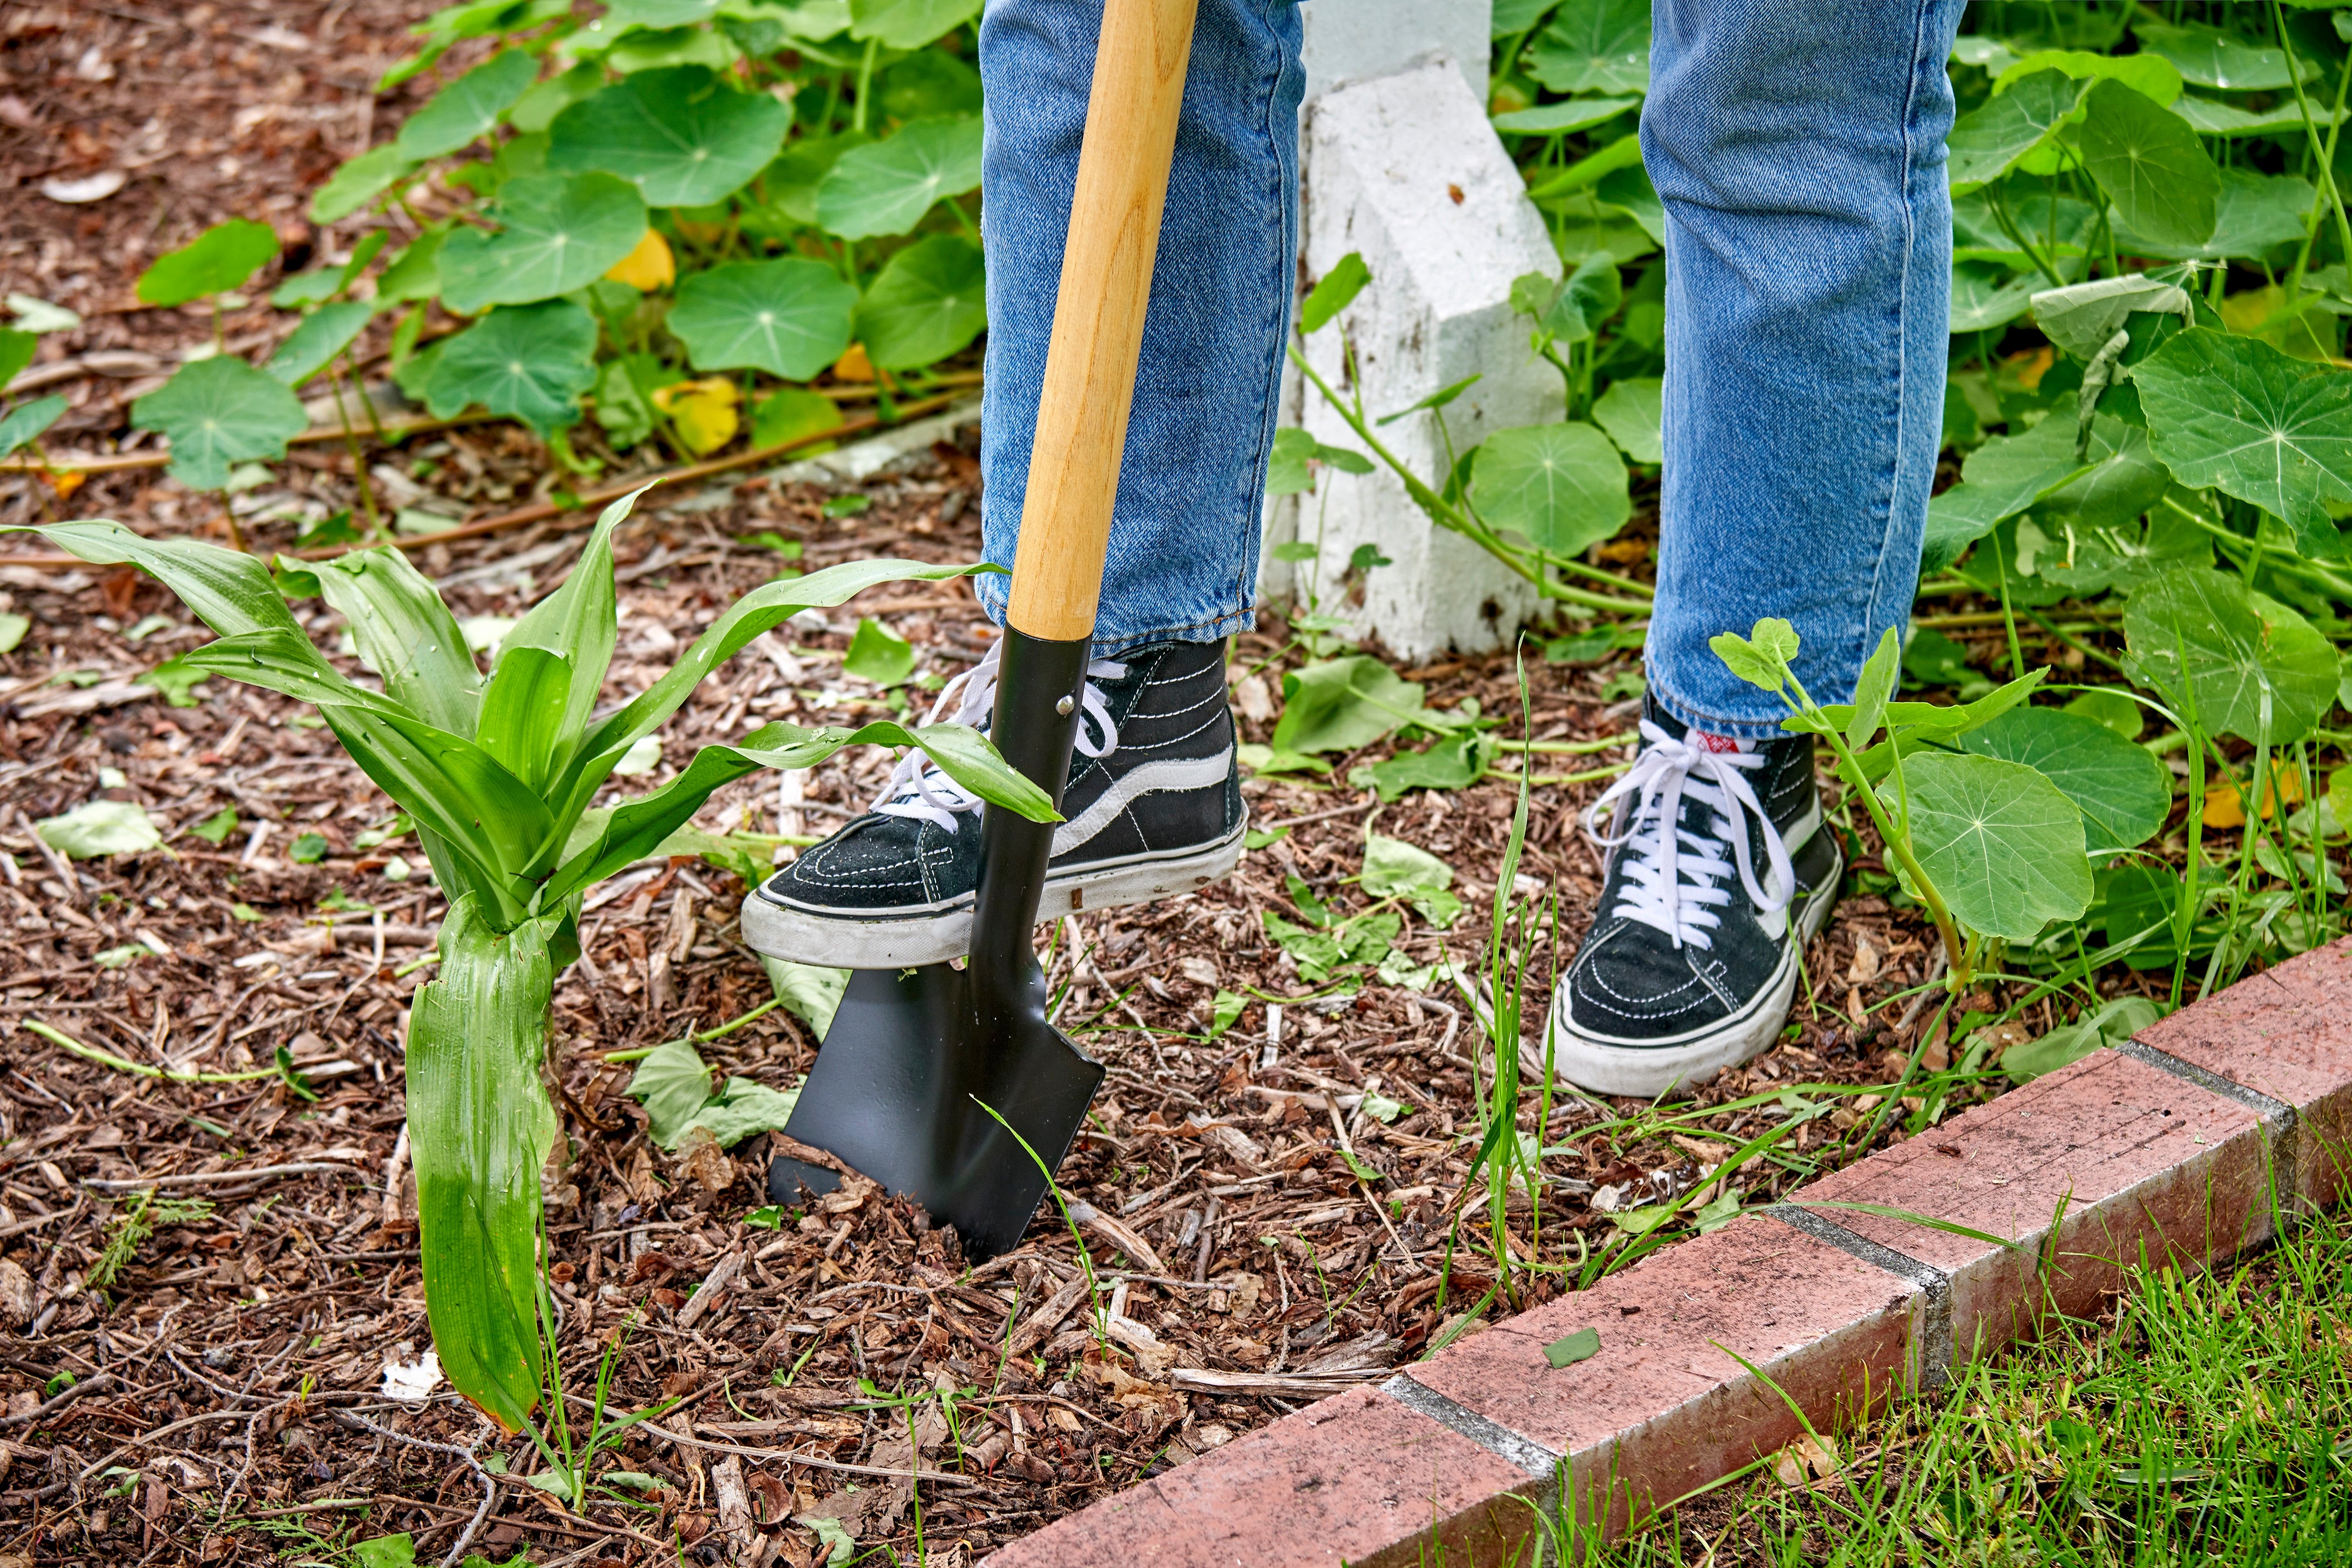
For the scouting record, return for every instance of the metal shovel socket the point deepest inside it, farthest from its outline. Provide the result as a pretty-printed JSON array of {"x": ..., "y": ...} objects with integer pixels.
[{"x": 914, "y": 1055}]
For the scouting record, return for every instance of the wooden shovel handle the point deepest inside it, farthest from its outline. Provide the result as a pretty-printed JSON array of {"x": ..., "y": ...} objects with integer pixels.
[{"x": 1130, "y": 137}]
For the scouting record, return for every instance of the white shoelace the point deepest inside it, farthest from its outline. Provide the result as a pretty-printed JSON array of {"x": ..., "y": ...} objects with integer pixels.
[
  {"x": 917, "y": 788},
  {"x": 1674, "y": 878}
]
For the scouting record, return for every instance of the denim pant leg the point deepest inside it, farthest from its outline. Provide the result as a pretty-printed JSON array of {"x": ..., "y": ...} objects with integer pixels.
[
  {"x": 1184, "y": 536},
  {"x": 1798, "y": 147}
]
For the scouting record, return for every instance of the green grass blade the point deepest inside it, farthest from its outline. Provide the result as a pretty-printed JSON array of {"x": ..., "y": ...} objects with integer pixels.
[
  {"x": 228, "y": 591},
  {"x": 634, "y": 828},
  {"x": 405, "y": 635},
  {"x": 480, "y": 1128},
  {"x": 1908, "y": 1217}
]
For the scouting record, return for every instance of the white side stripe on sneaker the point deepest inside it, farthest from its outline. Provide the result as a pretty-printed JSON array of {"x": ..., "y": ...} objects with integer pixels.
[
  {"x": 917, "y": 788},
  {"x": 1167, "y": 773},
  {"x": 1674, "y": 877}
]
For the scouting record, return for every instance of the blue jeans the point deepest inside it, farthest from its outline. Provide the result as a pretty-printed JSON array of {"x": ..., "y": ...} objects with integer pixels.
[
  {"x": 1184, "y": 535},
  {"x": 1798, "y": 148}
]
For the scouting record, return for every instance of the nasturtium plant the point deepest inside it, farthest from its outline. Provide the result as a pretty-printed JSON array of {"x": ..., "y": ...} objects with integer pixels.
[
  {"x": 2150, "y": 165},
  {"x": 930, "y": 300},
  {"x": 2240, "y": 663},
  {"x": 685, "y": 138},
  {"x": 217, "y": 260},
  {"x": 556, "y": 233},
  {"x": 2238, "y": 415},
  {"x": 1562, "y": 485},
  {"x": 789, "y": 317},
  {"x": 218, "y": 413},
  {"x": 530, "y": 362},
  {"x": 886, "y": 187},
  {"x": 323, "y": 334},
  {"x": 2122, "y": 791},
  {"x": 467, "y": 108},
  {"x": 1595, "y": 46}
]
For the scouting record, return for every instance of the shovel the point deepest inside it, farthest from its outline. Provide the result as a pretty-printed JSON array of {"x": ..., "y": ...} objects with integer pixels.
[{"x": 950, "y": 1083}]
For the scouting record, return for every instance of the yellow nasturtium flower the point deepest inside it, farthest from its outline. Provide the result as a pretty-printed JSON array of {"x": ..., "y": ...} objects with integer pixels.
[
  {"x": 704, "y": 413},
  {"x": 647, "y": 267}
]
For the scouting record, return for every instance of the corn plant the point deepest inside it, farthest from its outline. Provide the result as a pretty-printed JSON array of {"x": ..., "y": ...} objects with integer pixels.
[{"x": 499, "y": 774}]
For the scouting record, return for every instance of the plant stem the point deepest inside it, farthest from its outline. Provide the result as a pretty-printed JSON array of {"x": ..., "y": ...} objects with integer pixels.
[
  {"x": 1448, "y": 518},
  {"x": 108, "y": 1059},
  {"x": 2327, "y": 191},
  {"x": 864, "y": 81}
]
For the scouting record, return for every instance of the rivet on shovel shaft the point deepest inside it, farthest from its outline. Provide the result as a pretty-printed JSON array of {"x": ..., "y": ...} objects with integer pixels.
[{"x": 1065, "y": 705}]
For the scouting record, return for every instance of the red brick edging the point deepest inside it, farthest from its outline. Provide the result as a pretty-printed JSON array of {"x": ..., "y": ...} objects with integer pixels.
[{"x": 2165, "y": 1149}]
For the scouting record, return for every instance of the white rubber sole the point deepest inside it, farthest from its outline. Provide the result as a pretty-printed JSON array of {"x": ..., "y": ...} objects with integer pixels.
[
  {"x": 1647, "y": 1069},
  {"x": 934, "y": 936}
]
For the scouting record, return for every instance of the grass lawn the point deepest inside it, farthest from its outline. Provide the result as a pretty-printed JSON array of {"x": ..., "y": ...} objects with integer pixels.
[{"x": 2206, "y": 1418}]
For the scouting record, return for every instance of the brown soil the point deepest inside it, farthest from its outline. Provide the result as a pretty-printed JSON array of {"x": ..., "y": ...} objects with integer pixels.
[{"x": 229, "y": 1374}]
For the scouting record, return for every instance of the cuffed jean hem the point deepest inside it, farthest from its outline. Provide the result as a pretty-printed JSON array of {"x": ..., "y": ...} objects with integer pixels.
[{"x": 993, "y": 591}]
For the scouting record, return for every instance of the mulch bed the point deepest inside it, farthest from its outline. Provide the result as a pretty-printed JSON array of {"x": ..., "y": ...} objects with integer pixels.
[{"x": 220, "y": 1399}]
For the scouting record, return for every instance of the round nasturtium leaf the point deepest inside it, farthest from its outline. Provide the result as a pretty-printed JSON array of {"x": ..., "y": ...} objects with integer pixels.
[
  {"x": 929, "y": 302},
  {"x": 2162, "y": 180},
  {"x": 908, "y": 23},
  {"x": 886, "y": 187},
  {"x": 216, "y": 261},
  {"x": 2000, "y": 842},
  {"x": 2122, "y": 791},
  {"x": 556, "y": 233},
  {"x": 2250, "y": 666},
  {"x": 793, "y": 179},
  {"x": 789, "y": 317},
  {"x": 2235, "y": 414},
  {"x": 682, "y": 134},
  {"x": 218, "y": 413},
  {"x": 1633, "y": 411},
  {"x": 468, "y": 108},
  {"x": 1596, "y": 45},
  {"x": 530, "y": 362},
  {"x": 1986, "y": 141},
  {"x": 1560, "y": 485}
]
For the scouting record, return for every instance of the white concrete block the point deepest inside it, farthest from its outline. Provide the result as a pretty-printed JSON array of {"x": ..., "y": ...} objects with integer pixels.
[
  {"x": 1350, "y": 41},
  {"x": 1406, "y": 171}
]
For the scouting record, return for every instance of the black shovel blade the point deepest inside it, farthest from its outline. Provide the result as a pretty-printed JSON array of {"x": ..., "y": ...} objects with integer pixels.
[{"x": 899, "y": 1086}]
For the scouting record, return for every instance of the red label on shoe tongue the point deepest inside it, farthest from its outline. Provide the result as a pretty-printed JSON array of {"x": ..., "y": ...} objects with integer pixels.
[{"x": 1717, "y": 743}]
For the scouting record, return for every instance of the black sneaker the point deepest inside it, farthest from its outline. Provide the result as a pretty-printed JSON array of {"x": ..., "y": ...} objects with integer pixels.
[
  {"x": 1153, "y": 808},
  {"x": 1691, "y": 963}
]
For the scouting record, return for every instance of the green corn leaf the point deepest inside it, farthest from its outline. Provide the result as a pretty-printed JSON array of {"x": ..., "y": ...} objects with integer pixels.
[
  {"x": 479, "y": 1129},
  {"x": 324, "y": 333},
  {"x": 467, "y": 108},
  {"x": 522, "y": 712},
  {"x": 404, "y": 633},
  {"x": 684, "y": 136},
  {"x": 444, "y": 780},
  {"x": 790, "y": 318},
  {"x": 577, "y": 624},
  {"x": 636, "y": 827},
  {"x": 217, "y": 260},
  {"x": 228, "y": 591},
  {"x": 755, "y": 612},
  {"x": 217, "y": 414}
]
